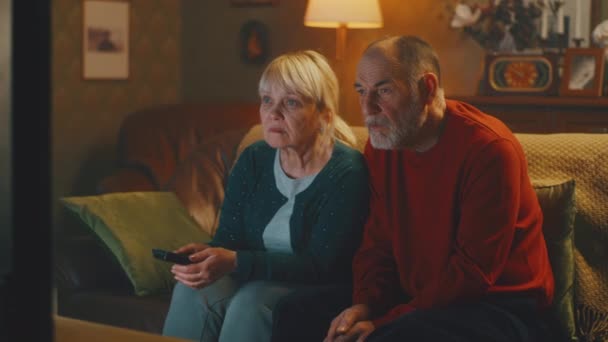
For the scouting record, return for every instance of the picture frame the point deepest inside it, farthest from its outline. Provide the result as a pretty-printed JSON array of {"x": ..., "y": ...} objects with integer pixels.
[
  {"x": 105, "y": 40},
  {"x": 254, "y": 43},
  {"x": 583, "y": 72},
  {"x": 254, "y": 3}
]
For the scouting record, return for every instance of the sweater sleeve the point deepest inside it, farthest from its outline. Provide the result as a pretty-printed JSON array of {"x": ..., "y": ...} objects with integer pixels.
[
  {"x": 334, "y": 236},
  {"x": 488, "y": 213},
  {"x": 375, "y": 276},
  {"x": 230, "y": 233}
]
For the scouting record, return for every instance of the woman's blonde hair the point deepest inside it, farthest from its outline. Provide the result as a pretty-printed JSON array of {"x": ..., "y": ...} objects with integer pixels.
[{"x": 308, "y": 74}]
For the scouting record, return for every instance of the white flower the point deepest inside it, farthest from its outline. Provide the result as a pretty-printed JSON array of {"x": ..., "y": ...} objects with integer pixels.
[
  {"x": 600, "y": 34},
  {"x": 463, "y": 16}
]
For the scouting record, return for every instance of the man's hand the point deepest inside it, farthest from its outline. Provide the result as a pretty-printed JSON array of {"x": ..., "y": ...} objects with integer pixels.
[
  {"x": 352, "y": 324},
  {"x": 209, "y": 264}
]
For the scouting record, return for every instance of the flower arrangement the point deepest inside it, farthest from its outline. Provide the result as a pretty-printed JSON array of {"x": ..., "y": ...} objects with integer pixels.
[
  {"x": 500, "y": 25},
  {"x": 600, "y": 34}
]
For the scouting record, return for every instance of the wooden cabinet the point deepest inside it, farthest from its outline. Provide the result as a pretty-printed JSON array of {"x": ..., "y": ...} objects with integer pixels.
[{"x": 537, "y": 114}]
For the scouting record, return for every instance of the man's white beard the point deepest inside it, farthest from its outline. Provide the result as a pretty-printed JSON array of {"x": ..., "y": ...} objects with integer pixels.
[
  {"x": 401, "y": 134},
  {"x": 384, "y": 141}
]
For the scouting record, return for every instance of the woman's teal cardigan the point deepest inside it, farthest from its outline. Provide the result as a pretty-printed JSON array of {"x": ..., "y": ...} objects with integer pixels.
[{"x": 326, "y": 224}]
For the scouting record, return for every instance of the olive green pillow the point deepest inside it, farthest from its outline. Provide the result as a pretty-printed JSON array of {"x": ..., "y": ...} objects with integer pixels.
[
  {"x": 130, "y": 224},
  {"x": 557, "y": 202}
]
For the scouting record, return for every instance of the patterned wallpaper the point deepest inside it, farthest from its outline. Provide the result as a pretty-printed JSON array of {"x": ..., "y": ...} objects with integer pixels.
[{"x": 87, "y": 114}]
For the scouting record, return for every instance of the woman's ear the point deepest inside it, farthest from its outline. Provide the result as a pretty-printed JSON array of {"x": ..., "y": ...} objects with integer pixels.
[
  {"x": 324, "y": 119},
  {"x": 429, "y": 85}
]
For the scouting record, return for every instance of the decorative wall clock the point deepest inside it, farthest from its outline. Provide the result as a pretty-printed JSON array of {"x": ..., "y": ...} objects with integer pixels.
[{"x": 520, "y": 74}]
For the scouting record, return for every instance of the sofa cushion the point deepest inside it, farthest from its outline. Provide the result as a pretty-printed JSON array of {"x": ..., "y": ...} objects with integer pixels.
[
  {"x": 557, "y": 202},
  {"x": 254, "y": 134},
  {"x": 583, "y": 157},
  {"x": 200, "y": 179},
  {"x": 175, "y": 130},
  {"x": 131, "y": 224}
]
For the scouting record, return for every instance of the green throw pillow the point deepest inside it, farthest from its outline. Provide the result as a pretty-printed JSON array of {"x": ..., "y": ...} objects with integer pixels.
[
  {"x": 130, "y": 224},
  {"x": 557, "y": 202}
]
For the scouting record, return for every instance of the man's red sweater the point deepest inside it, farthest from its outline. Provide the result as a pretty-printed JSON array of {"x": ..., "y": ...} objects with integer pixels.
[{"x": 456, "y": 223}]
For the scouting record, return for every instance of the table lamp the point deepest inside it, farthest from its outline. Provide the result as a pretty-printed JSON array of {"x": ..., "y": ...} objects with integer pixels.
[{"x": 343, "y": 14}]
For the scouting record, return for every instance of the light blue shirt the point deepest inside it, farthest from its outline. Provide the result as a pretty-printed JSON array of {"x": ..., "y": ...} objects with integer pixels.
[{"x": 277, "y": 236}]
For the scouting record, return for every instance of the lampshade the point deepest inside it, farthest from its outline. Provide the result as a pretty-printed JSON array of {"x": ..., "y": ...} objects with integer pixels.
[{"x": 336, "y": 13}]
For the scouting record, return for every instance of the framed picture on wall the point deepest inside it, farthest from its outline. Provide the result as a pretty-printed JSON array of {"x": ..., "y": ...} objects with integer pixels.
[
  {"x": 583, "y": 73},
  {"x": 254, "y": 44},
  {"x": 105, "y": 42},
  {"x": 244, "y": 3}
]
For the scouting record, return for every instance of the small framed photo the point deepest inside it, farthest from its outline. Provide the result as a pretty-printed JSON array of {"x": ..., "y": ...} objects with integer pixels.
[
  {"x": 251, "y": 3},
  {"x": 105, "y": 42},
  {"x": 254, "y": 43},
  {"x": 583, "y": 73}
]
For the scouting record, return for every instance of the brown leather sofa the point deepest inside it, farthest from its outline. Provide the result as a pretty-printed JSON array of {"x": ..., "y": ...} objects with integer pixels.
[
  {"x": 189, "y": 149},
  {"x": 151, "y": 145}
]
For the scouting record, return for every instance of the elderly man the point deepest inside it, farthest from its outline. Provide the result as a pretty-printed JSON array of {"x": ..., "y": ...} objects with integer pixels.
[{"x": 453, "y": 248}]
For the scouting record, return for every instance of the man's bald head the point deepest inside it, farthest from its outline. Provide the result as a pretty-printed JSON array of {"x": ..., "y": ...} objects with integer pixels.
[{"x": 409, "y": 56}]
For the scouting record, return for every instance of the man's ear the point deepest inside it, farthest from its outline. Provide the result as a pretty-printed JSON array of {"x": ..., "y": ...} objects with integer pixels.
[{"x": 428, "y": 84}]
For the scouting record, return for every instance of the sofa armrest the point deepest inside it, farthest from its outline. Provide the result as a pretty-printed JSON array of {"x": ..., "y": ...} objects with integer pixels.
[
  {"x": 82, "y": 263},
  {"x": 125, "y": 180}
]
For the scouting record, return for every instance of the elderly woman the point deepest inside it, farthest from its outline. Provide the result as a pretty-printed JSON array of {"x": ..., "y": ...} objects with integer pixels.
[{"x": 292, "y": 217}]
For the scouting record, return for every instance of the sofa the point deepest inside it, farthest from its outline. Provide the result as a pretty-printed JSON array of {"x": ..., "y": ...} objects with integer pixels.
[{"x": 189, "y": 149}]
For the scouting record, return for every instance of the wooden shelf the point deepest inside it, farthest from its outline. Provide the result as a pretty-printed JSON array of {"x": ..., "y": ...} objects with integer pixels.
[{"x": 545, "y": 114}]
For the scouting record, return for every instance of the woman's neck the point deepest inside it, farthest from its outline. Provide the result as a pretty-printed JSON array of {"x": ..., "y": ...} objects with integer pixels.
[{"x": 308, "y": 160}]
